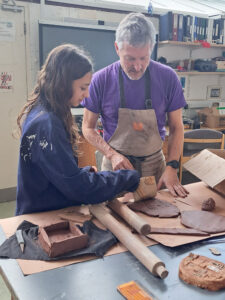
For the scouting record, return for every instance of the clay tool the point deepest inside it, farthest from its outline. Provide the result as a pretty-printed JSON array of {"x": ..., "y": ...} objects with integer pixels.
[
  {"x": 20, "y": 239},
  {"x": 130, "y": 241},
  {"x": 131, "y": 290},
  {"x": 134, "y": 220}
]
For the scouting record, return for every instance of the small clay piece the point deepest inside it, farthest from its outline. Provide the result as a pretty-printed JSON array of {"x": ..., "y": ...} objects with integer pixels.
[
  {"x": 61, "y": 237},
  {"x": 208, "y": 204},
  {"x": 202, "y": 272},
  {"x": 203, "y": 220},
  {"x": 215, "y": 251},
  {"x": 146, "y": 189},
  {"x": 156, "y": 208},
  {"x": 177, "y": 231}
]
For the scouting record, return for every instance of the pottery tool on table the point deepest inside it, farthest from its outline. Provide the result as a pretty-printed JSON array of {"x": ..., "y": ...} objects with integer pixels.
[
  {"x": 131, "y": 290},
  {"x": 20, "y": 239}
]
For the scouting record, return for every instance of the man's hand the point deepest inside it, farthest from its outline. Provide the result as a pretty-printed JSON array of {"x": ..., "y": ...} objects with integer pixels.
[
  {"x": 170, "y": 180},
  {"x": 120, "y": 162}
]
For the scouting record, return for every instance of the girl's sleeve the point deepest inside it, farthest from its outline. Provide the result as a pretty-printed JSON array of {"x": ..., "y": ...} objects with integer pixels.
[{"x": 54, "y": 156}]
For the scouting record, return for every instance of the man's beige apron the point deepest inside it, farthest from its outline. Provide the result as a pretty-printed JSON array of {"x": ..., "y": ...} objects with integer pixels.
[{"x": 137, "y": 136}]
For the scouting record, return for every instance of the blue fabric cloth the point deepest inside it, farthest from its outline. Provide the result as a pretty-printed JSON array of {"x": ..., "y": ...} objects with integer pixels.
[{"x": 48, "y": 175}]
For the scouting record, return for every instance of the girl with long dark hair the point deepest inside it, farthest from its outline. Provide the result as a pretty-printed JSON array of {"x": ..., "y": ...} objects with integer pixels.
[{"x": 48, "y": 174}]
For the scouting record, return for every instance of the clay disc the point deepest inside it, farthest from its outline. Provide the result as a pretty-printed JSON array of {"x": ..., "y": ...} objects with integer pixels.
[
  {"x": 203, "y": 272},
  {"x": 156, "y": 208},
  {"x": 203, "y": 220}
]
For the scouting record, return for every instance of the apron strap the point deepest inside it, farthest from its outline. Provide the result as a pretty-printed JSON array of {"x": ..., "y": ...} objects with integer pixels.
[
  {"x": 122, "y": 96},
  {"x": 148, "y": 101}
]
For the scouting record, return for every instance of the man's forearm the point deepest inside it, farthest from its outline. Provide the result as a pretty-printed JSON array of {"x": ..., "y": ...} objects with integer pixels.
[
  {"x": 92, "y": 136},
  {"x": 175, "y": 143}
]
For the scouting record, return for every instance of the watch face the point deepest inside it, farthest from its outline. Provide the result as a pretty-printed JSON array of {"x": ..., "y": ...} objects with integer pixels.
[{"x": 173, "y": 163}]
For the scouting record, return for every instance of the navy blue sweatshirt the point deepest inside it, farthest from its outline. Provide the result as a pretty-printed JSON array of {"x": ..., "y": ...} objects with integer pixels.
[{"x": 48, "y": 175}]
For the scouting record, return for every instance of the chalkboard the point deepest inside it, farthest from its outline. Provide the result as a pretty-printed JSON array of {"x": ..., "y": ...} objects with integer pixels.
[{"x": 99, "y": 43}]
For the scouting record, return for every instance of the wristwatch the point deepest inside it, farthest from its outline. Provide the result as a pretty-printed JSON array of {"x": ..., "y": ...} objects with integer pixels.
[{"x": 173, "y": 163}]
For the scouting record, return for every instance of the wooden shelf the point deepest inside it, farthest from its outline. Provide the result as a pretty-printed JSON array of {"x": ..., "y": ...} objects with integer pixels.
[
  {"x": 197, "y": 73},
  {"x": 189, "y": 44}
]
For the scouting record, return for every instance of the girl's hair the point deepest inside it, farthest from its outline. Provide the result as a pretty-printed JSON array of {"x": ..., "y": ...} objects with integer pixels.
[
  {"x": 53, "y": 90},
  {"x": 137, "y": 30}
]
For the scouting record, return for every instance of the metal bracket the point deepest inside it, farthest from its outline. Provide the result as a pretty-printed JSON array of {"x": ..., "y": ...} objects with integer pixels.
[{"x": 11, "y": 7}]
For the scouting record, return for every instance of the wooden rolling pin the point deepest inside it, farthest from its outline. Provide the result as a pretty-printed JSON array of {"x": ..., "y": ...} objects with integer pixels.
[
  {"x": 134, "y": 220},
  {"x": 130, "y": 241}
]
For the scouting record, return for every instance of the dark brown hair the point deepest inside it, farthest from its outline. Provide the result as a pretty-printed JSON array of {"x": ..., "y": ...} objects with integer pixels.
[{"x": 53, "y": 90}]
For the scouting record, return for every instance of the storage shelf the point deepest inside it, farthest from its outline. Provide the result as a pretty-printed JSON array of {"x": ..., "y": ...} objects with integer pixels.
[
  {"x": 190, "y": 44},
  {"x": 196, "y": 73}
]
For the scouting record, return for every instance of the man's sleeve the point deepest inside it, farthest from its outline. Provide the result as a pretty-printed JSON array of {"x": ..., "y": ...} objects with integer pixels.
[
  {"x": 175, "y": 93},
  {"x": 93, "y": 102}
]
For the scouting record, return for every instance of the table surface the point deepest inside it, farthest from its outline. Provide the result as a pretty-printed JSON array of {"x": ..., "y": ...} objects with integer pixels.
[{"x": 98, "y": 279}]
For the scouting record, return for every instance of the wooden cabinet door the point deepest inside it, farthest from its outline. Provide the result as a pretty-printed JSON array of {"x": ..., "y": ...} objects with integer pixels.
[{"x": 87, "y": 157}]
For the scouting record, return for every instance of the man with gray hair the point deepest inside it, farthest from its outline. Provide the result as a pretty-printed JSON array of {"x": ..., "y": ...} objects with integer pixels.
[{"x": 134, "y": 96}]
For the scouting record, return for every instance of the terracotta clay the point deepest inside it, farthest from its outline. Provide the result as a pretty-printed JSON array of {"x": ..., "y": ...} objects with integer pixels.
[
  {"x": 208, "y": 204},
  {"x": 61, "y": 237},
  {"x": 203, "y": 220},
  {"x": 156, "y": 208},
  {"x": 203, "y": 272}
]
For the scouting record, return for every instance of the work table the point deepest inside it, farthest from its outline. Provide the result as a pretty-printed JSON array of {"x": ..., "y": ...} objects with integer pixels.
[{"x": 98, "y": 279}]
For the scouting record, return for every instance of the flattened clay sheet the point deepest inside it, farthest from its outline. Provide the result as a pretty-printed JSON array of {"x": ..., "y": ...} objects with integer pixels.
[
  {"x": 203, "y": 220},
  {"x": 183, "y": 231},
  {"x": 156, "y": 208}
]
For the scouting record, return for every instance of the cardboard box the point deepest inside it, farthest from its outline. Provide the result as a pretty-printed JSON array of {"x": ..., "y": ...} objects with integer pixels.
[
  {"x": 209, "y": 166},
  {"x": 220, "y": 65},
  {"x": 211, "y": 117}
]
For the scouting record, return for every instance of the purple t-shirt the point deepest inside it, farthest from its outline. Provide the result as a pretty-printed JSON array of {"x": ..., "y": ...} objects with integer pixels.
[{"x": 166, "y": 94}]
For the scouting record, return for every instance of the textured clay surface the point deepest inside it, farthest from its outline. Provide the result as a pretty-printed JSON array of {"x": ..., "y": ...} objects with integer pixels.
[{"x": 202, "y": 272}]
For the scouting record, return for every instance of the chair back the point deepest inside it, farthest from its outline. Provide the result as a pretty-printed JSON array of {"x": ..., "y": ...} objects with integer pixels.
[{"x": 197, "y": 140}]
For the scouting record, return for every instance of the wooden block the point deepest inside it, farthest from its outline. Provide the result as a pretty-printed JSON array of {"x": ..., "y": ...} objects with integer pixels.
[{"x": 146, "y": 189}]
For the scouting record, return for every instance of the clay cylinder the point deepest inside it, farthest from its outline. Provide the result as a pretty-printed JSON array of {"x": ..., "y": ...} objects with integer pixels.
[
  {"x": 134, "y": 220},
  {"x": 130, "y": 241},
  {"x": 146, "y": 189}
]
